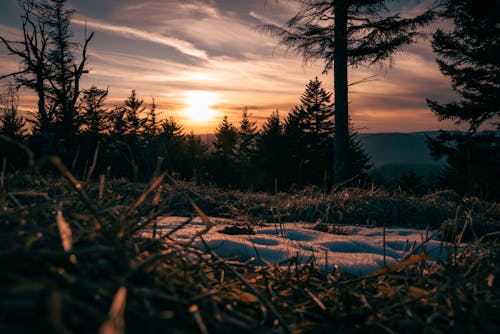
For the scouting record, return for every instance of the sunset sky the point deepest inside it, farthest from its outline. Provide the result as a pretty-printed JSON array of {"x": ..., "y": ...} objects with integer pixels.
[{"x": 203, "y": 59}]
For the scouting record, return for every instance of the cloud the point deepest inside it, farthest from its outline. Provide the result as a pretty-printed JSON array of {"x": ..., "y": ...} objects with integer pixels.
[{"x": 129, "y": 32}]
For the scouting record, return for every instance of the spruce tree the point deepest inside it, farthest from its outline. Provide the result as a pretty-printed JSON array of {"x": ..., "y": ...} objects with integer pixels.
[
  {"x": 271, "y": 153},
  {"x": 11, "y": 124},
  {"x": 314, "y": 126},
  {"x": 246, "y": 150},
  {"x": 170, "y": 140},
  {"x": 226, "y": 139},
  {"x": 469, "y": 55},
  {"x": 345, "y": 33},
  {"x": 151, "y": 123},
  {"x": 247, "y": 135},
  {"x": 224, "y": 157},
  {"x": 94, "y": 116},
  {"x": 133, "y": 108}
]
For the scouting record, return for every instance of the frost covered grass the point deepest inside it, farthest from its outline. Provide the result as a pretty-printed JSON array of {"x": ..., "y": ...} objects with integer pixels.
[{"x": 73, "y": 258}]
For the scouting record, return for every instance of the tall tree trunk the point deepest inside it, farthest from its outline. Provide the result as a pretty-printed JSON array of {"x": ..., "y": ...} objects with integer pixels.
[{"x": 341, "y": 163}]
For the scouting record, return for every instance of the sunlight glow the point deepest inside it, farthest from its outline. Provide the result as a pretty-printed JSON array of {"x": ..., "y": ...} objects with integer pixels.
[{"x": 199, "y": 105}]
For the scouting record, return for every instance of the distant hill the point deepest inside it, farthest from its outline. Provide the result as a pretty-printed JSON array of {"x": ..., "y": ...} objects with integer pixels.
[
  {"x": 398, "y": 148},
  {"x": 393, "y": 154}
]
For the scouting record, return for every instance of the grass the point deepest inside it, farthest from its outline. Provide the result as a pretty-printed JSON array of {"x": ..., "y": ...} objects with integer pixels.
[{"x": 72, "y": 261}]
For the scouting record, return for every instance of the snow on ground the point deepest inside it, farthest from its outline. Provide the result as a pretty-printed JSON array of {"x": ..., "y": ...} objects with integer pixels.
[{"x": 359, "y": 252}]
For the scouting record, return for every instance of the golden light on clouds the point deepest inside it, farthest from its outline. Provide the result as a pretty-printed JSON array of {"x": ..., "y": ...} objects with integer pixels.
[{"x": 200, "y": 106}]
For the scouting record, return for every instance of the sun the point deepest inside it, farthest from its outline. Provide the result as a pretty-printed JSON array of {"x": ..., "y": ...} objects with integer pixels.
[{"x": 199, "y": 106}]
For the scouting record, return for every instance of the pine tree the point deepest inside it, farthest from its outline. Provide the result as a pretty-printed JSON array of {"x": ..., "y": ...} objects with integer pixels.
[
  {"x": 194, "y": 154},
  {"x": 358, "y": 159},
  {"x": 170, "y": 140},
  {"x": 247, "y": 135},
  {"x": 271, "y": 152},
  {"x": 468, "y": 54},
  {"x": 309, "y": 131},
  {"x": 224, "y": 157},
  {"x": 346, "y": 33},
  {"x": 94, "y": 116},
  {"x": 246, "y": 150},
  {"x": 226, "y": 139},
  {"x": 11, "y": 124},
  {"x": 151, "y": 124},
  {"x": 133, "y": 108}
]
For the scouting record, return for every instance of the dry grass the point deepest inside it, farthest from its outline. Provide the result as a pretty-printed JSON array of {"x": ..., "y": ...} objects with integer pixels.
[{"x": 71, "y": 261}]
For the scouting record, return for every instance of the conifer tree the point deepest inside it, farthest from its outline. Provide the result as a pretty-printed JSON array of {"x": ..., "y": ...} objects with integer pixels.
[
  {"x": 95, "y": 118},
  {"x": 309, "y": 130},
  {"x": 246, "y": 150},
  {"x": 469, "y": 55},
  {"x": 226, "y": 139},
  {"x": 247, "y": 135},
  {"x": 11, "y": 124},
  {"x": 132, "y": 110},
  {"x": 346, "y": 33},
  {"x": 194, "y": 154},
  {"x": 151, "y": 124},
  {"x": 170, "y": 140},
  {"x": 224, "y": 159},
  {"x": 271, "y": 152}
]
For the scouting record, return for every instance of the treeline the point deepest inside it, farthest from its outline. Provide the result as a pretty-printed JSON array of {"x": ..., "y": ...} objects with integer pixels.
[{"x": 130, "y": 141}]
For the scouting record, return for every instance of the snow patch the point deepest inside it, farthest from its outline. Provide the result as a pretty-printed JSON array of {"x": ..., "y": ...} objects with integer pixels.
[{"x": 359, "y": 253}]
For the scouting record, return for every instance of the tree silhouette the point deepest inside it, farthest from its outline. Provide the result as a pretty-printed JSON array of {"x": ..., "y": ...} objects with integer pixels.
[
  {"x": 468, "y": 54},
  {"x": 11, "y": 124},
  {"x": 346, "y": 33},
  {"x": 151, "y": 124},
  {"x": 309, "y": 129},
  {"x": 48, "y": 63},
  {"x": 271, "y": 152},
  {"x": 132, "y": 110},
  {"x": 246, "y": 150},
  {"x": 95, "y": 117},
  {"x": 224, "y": 162}
]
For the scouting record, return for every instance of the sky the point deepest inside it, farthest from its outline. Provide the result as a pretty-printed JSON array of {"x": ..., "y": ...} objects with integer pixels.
[{"x": 203, "y": 59}]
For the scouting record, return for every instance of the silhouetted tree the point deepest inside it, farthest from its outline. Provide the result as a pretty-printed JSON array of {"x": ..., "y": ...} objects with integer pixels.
[
  {"x": 224, "y": 157},
  {"x": 32, "y": 52},
  {"x": 468, "y": 55},
  {"x": 359, "y": 161},
  {"x": 133, "y": 108},
  {"x": 151, "y": 124},
  {"x": 11, "y": 124},
  {"x": 48, "y": 63},
  {"x": 271, "y": 153},
  {"x": 346, "y": 33},
  {"x": 309, "y": 129},
  {"x": 194, "y": 155},
  {"x": 118, "y": 123},
  {"x": 246, "y": 150},
  {"x": 170, "y": 140},
  {"x": 94, "y": 116}
]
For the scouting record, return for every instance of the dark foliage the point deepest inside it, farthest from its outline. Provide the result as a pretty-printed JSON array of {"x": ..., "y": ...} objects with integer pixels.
[{"x": 468, "y": 54}]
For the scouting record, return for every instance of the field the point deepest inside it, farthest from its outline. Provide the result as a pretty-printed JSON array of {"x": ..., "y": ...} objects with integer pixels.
[{"x": 74, "y": 258}]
